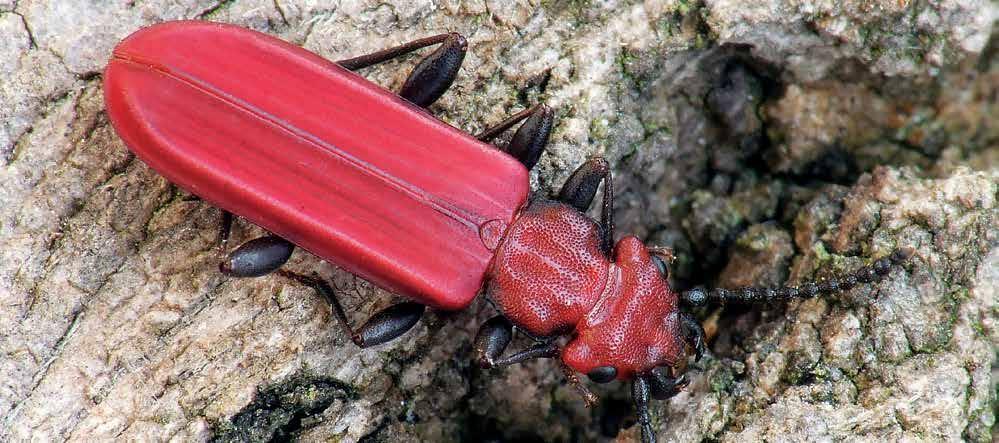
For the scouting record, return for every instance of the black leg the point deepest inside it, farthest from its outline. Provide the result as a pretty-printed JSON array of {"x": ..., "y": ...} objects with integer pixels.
[
  {"x": 255, "y": 258},
  {"x": 540, "y": 350},
  {"x": 693, "y": 334},
  {"x": 579, "y": 190},
  {"x": 493, "y": 338},
  {"x": 432, "y": 76},
  {"x": 602, "y": 374},
  {"x": 656, "y": 384},
  {"x": 530, "y": 139},
  {"x": 494, "y": 131},
  {"x": 225, "y": 229},
  {"x": 435, "y": 74},
  {"x": 385, "y": 55},
  {"x": 640, "y": 395},
  {"x": 867, "y": 274},
  {"x": 386, "y": 325},
  {"x": 662, "y": 386}
]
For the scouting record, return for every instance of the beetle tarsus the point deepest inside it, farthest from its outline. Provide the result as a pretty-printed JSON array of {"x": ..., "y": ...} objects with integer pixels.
[
  {"x": 867, "y": 274},
  {"x": 579, "y": 190},
  {"x": 257, "y": 257}
]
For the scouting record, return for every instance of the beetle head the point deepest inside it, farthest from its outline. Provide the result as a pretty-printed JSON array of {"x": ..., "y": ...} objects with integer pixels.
[{"x": 635, "y": 325}]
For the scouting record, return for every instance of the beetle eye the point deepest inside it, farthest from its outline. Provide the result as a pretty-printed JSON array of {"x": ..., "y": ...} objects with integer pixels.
[
  {"x": 603, "y": 374},
  {"x": 660, "y": 265}
]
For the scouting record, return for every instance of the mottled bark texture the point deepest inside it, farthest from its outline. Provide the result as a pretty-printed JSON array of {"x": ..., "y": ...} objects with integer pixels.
[{"x": 764, "y": 141}]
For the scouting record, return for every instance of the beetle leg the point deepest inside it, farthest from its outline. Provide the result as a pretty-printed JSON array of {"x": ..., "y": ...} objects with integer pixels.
[
  {"x": 384, "y": 326},
  {"x": 432, "y": 76},
  {"x": 866, "y": 274},
  {"x": 225, "y": 228},
  {"x": 435, "y": 74},
  {"x": 539, "y": 350},
  {"x": 693, "y": 334},
  {"x": 493, "y": 338},
  {"x": 640, "y": 395},
  {"x": 374, "y": 58},
  {"x": 579, "y": 190},
  {"x": 255, "y": 258},
  {"x": 494, "y": 131},
  {"x": 530, "y": 139},
  {"x": 663, "y": 386}
]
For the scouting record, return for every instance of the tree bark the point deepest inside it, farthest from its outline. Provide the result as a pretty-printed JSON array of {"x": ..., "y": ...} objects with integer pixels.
[{"x": 765, "y": 142}]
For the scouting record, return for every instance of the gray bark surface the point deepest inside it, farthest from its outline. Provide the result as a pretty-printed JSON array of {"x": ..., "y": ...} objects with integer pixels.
[{"x": 765, "y": 141}]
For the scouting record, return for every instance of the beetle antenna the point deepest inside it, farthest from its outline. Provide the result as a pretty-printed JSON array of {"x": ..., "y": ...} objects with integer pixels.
[{"x": 867, "y": 274}]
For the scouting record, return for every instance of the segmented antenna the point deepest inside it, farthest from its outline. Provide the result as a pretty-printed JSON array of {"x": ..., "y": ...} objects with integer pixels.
[{"x": 867, "y": 274}]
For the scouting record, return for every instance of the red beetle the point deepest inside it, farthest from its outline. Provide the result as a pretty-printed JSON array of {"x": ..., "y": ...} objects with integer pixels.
[{"x": 369, "y": 180}]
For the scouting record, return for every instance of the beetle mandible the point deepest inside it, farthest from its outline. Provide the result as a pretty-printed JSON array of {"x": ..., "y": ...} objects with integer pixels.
[{"x": 371, "y": 181}]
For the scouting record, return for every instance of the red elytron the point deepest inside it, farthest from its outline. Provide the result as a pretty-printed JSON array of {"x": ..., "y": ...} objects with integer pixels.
[
  {"x": 369, "y": 180},
  {"x": 302, "y": 147}
]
